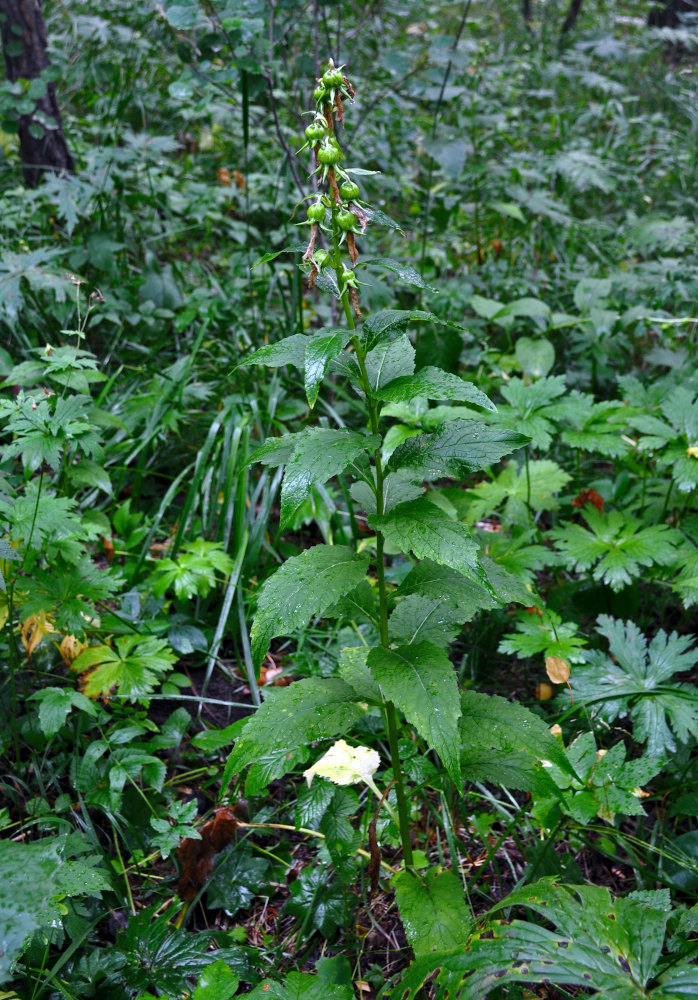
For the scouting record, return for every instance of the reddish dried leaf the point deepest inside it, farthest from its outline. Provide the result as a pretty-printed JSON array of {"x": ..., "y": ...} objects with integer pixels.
[{"x": 589, "y": 496}]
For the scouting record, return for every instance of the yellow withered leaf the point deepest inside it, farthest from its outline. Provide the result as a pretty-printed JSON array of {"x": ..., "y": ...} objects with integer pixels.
[
  {"x": 70, "y": 648},
  {"x": 33, "y": 629},
  {"x": 557, "y": 669},
  {"x": 692, "y": 452}
]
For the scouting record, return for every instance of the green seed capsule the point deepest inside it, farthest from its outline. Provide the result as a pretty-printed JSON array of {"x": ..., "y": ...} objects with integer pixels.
[
  {"x": 346, "y": 220},
  {"x": 316, "y": 213},
  {"x": 349, "y": 191},
  {"x": 329, "y": 153}
]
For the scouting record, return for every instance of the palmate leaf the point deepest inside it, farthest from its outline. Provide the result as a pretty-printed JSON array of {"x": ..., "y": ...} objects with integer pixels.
[
  {"x": 68, "y": 593},
  {"x": 421, "y": 681},
  {"x": 133, "y": 667},
  {"x": 616, "y": 544},
  {"x": 672, "y": 437},
  {"x": 424, "y": 528},
  {"x": 606, "y": 783},
  {"x": 546, "y": 634},
  {"x": 302, "y": 588},
  {"x": 634, "y": 680},
  {"x": 520, "y": 488},
  {"x": 285, "y": 724},
  {"x": 530, "y": 410},
  {"x": 610, "y": 947},
  {"x": 456, "y": 449}
]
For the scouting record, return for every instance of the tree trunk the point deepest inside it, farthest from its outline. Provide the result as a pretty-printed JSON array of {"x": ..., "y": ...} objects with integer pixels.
[
  {"x": 572, "y": 15},
  {"x": 42, "y": 144},
  {"x": 670, "y": 13},
  {"x": 526, "y": 11}
]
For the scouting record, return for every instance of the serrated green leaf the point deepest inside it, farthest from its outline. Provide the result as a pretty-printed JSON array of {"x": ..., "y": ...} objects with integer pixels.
[
  {"x": 389, "y": 360},
  {"x": 420, "y": 526},
  {"x": 302, "y": 588},
  {"x": 433, "y": 383},
  {"x": 421, "y": 619},
  {"x": 502, "y": 740},
  {"x": 301, "y": 986},
  {"x": 290, "y": 351},
  {"x": 319, "y": 453},
  {"x": 403, "y": 271},
  {"x": 290, "y": 718},
  {"x": 421, "y": 682},
  {"x": 446, "y": 585},
  {"x": 616, "y": 544},
  {"x": 55, "y": 704},
  {"x": 636, "y": 682},
  {"x": 217, "y": 982},
  {"x": 133, "y": 667},
  {"x": 388, "y": 323},
  {"x": 456, "y": 449},
  {"x": 433, "y": 910},
  {"x": 324, "y": 906},
  {"x": 33, "y": 878},
  {"x": 357, "y": 604},
  {"x": 354, "y": 670},
  {"x": 320, "y": 349}
]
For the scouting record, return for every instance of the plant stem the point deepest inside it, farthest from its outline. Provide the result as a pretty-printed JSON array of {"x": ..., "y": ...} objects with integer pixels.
[{"x": 390, "y": 716}]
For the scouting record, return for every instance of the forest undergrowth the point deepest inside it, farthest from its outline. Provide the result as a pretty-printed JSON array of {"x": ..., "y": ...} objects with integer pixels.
[{"x": 348, "y": 506}]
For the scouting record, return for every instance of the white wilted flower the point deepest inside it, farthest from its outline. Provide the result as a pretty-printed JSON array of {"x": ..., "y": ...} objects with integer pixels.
[{"x": 345, "y": 765}]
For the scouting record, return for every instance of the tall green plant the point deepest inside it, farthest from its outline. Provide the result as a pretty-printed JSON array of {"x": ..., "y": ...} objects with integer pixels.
[{"x": 404, "y": 671}]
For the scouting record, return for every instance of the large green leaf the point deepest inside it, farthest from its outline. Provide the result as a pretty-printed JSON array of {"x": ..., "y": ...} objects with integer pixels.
[
  {"x": 504, "y": 742},
  {"x": 34, "y": 877},
  {"x": 432, "y": 909},
  {"x": 320, "y": 349},
  {"x": 433, "y": 383},
  {"x": 389, "y": 360},
  {"x": 388, "y": 323},
  {"x": 422, "y": 527},
  {"x": 456, "y": 449},
  {"x": 290, "y": 351},
  {"x": 441, "y": 583},
  {"x": 420, "y": 680},
  {"x": 301, "y": 589},
  {"x": 424, "y": 619},
  {"x": 612, "y": 948},
  {"x": 290, "y": 719},
  {"x": 318, "y": 454},
  {"x": 405, "y": 272}
]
